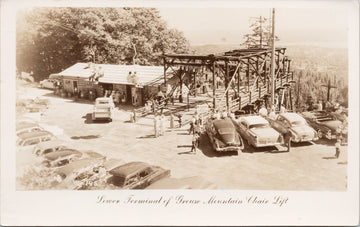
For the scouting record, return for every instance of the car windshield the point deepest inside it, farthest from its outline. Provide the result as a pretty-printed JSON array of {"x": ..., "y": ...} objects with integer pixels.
[
  {"x": 297, "y": 122},
  {"x": 223, "y": 131},
  {"x": 259, "y": 126}
]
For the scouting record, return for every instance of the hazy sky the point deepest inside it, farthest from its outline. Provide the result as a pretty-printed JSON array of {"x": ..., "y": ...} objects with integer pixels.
[{"x": 225, "y": 25}]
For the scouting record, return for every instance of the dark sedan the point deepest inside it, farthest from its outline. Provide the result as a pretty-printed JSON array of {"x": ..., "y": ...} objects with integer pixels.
[
  {"x": 324, "y": 123},
  {"x": 223, "y": 135},
  {"x": 136, "y": 175}
]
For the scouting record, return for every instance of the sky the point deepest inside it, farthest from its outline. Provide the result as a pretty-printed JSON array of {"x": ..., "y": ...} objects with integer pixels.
[{"x": 228, "y": 25}]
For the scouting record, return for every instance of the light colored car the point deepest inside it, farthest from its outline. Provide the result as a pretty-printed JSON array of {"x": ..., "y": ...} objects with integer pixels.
[
  {"x": 257, "y": 131},
  {"x": 25, "y": 127},
  {"x": 49, "y": 147},
  {"x": 33, "y": 138},
  {"x": 47, "y": 83},
  {"x": 103, "y": 109},
  {"x": 296, "y": 124}
]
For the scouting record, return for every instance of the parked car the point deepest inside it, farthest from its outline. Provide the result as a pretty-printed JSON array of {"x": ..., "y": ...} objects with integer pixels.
[
  {"x": 103, "y": 109},
  {"x": 324, "y": 123},
  {"x": 47, "y": 83},
  {"x": 223, "y": 135},
  {"x": 62, "y": 157},
  {"x": 136, "y": 175},
  {"x": 296, "y": 124},
  {"x": 195, "y": 182},
  {"x": 33, "y": 138},
  {"x": 73, "y": 175},
  {"x": 49, "y": 147},
  {"x": 25, "y": 127},
  {"x": 257, "y": 131}
]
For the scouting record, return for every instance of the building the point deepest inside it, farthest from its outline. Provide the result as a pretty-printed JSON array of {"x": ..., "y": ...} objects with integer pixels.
[{"x": 135, "y": 83}]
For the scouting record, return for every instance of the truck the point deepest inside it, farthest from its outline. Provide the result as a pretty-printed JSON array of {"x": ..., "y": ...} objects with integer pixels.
[{"x": 103, "y": 109}]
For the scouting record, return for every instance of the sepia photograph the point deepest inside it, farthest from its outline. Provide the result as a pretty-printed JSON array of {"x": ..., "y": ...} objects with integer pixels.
[{"x": 155, "y": 97}]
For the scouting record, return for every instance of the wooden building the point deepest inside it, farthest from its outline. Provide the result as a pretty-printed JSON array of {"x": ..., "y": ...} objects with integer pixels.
[{"x": 135, "y": 83}]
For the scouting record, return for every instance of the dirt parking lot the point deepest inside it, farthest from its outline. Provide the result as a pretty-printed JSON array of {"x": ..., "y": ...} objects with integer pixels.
[{"x": 307, "y": 167}]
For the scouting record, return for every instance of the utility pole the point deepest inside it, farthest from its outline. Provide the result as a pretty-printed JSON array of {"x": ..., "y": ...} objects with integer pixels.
[
  {"x": 273, "y": 58},
  {"x": 261, "y": 32}
]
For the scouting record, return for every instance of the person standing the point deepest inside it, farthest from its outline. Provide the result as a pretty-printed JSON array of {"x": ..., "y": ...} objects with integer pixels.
[
  {"x": 263, "y": 111},
  {"x": 162, "y": 125},
  {"x": 195, "y": 141},
  {"x": 282, "y": 109},
  {"x": 171, "y": 120},
  {"x": 156, "y": 126},
  {"x": 287, "y": 140},
  {"x": 337, "y": 148},
  {"x": 180, "y": 120},
  {"x": 192, "y": 125}
]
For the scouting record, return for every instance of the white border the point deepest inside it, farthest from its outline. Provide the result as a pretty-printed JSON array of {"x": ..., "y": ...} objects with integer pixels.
[{"x": 80, "y": 208}]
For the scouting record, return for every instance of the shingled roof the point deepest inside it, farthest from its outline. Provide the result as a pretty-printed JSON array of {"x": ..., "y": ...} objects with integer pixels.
[{"x": 117, "y": 74}]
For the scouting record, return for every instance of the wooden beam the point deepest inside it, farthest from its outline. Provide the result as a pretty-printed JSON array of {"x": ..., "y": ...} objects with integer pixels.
[{"x": 214, "y": 85}]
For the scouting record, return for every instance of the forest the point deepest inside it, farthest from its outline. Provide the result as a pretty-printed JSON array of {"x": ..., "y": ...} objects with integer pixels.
[{"x": 49, "y": 40}]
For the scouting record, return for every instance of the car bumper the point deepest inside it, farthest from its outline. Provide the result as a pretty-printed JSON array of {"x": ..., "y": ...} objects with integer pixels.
[
  {"x": 227, "y": 149},
  {"x": 266, "y": 144},
  {"x": 102, "y": 115},
  {"x": 298, "y": 140}
]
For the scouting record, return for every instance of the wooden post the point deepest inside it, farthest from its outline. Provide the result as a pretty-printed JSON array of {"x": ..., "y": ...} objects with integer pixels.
[
  {"x": 247, "y": 75},
  {"x": 227, "y": 83},
  {"x": 257, "y": 71},
  {"x": 165, "y": 82},
  {"x": 214, "y": 84},
  {"x": 181, "y": 83},
  {"x": 194, "y": 72},
  {"x": 238, "y": 82},
  {"x": 239, "y": 102}
]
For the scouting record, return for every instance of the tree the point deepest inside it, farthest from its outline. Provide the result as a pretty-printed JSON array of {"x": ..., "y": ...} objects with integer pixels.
[
  {"x": 49, "y": 40},
  {"x": 260, "y": 37}
]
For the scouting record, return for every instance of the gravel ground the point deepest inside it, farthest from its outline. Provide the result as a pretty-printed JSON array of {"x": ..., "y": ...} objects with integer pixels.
[{"x": 309, "y": 166}]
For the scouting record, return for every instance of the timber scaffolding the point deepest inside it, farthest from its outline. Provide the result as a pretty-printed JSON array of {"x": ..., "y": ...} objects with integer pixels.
[{"x": 245, "y": 71}]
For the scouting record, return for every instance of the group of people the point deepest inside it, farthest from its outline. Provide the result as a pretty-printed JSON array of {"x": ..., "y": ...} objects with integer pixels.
[
  {"x": 159, "y": 124},
  {"x": 117, "y": 96}
]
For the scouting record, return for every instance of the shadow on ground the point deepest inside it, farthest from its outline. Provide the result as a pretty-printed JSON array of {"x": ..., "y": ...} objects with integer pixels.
[
  {"x": 88, "y": 120},
  {"x": 85, "y": 137}
]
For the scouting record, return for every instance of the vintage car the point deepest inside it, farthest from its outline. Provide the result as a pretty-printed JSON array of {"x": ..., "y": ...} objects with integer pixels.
[
  {"x": 136, "y": 175},
  {"x": 223, "y": 135},
  {"x": 79, "y": 173},
  {"x": 103, "y": 109},
  {"x": 33, "y": 138},
  {"x": 257, "y": 131},
  {"x": 24, "y": 127},
  {"x": 47, "y": 83},
  {"x": 61, "y": 157},
  {"x": 49, "y": 147},
  {"x": 195, "y": 182},
  {"x": 296, "y": 124},
  {"x": 324, "y": 123}
]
